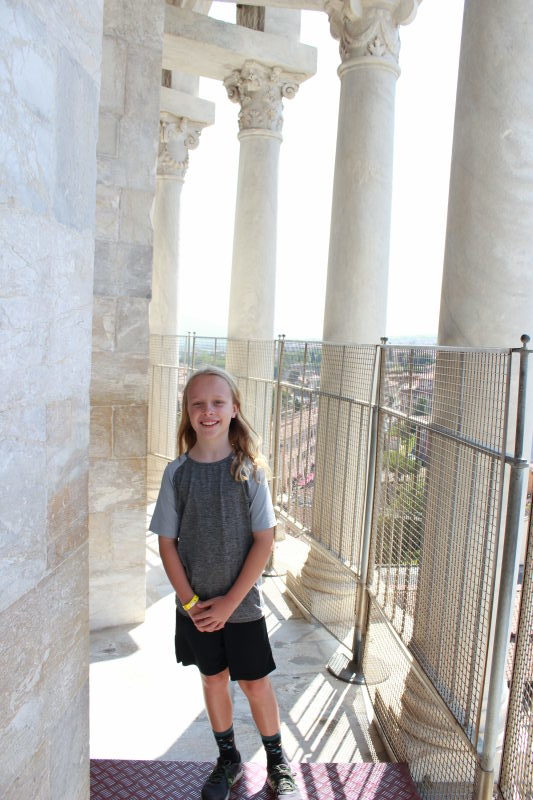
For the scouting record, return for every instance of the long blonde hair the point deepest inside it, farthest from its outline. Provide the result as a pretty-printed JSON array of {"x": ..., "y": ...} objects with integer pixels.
[{"x": 242, "y": 437}]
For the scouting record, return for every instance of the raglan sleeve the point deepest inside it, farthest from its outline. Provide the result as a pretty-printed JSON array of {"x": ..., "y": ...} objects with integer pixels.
[
  {"x": 165, "y": 519},
  {"x": 262, "y": 514}
]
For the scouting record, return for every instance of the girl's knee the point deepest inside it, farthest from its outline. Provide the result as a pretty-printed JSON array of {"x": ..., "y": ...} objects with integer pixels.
[
  {"x": 216, "y": 682},
  {"x": 256, "y": 689}
]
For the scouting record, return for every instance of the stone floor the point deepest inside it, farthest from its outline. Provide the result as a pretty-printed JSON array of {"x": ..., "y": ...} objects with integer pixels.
[{"x": 145, "y": 706}]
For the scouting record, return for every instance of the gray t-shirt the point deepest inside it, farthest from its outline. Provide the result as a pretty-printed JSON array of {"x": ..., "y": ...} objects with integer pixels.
[{"x": 213, "y": 516}]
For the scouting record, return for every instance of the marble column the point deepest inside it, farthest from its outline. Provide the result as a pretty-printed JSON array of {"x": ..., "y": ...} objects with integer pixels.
[
  {"x": 183, "y": 117},
  {"x": 260, "y": 91},
  {"x": 487, "y": 287},
  {"x": 177, "y": 135},
  {"x": 356, "y": 293},
  {"x": 127, "y": 150}
]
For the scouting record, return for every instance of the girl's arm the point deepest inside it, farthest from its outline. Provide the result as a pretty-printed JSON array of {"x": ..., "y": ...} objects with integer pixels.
[
  {"x": 176, "y": 573},
  {"x": 213, "y": 614}
]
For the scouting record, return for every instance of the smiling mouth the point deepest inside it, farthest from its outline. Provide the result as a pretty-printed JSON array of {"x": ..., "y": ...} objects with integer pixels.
[{"x": 209, "y": 424}]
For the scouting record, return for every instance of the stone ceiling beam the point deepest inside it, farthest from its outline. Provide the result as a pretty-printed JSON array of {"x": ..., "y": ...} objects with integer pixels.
[
  {"x": 197, "y": 44},
  {"x": 297, "y": 5},
  {"x": 182, "y": 104}
]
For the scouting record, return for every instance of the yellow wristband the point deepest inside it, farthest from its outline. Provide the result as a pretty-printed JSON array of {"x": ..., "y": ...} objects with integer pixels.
[{"x": 192, "y": 602}]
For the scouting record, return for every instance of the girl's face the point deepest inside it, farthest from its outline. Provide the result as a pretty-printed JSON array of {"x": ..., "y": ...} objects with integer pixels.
[{"x": 210, "y": 407}]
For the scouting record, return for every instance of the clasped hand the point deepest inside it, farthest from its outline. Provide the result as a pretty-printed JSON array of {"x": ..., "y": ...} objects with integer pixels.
[{"x": 211, "y": 615}]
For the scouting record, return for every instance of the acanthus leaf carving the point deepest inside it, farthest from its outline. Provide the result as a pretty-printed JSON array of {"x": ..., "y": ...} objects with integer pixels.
[
  {"x": 260, "y": 91},
  {"x": 177, "y": 135},
  {"x": 366, "y": 29}
]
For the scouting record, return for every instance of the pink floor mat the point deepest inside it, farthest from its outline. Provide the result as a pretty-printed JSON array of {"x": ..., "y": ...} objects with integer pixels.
[{"x": 183, "y": 780}]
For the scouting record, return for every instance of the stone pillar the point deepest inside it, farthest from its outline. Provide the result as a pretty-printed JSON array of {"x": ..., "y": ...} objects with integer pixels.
[
  {"x": 178, "y": 133},
  {"x": 48, "y": 127},
  {"x": 172, "y": 163},
  {"x": 260, "y": 91},
  {"x": 356, "y": 293},
  {"x": 127, "y": 150},
  {"x": 486, "y": 300},
  {"x": 487, "y": 287}
]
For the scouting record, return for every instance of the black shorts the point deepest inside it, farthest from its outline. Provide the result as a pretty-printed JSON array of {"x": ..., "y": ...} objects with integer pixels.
[{"x": 242, "y": 646}]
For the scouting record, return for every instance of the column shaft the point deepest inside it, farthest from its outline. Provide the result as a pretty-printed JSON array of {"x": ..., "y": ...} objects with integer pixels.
[
  {"x": 356, "y": 294},
  {"x": 260, "y": 91},
  {"x": 177, "y": 135},
  {"x": 164, "y": 304},
  {"x": 252, "y": 294},
  {"x": 487, "y": 288}
]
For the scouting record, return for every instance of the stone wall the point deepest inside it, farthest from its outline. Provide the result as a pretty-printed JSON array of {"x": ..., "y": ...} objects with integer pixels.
[
  {"x": 127, "y": 152},
  {"x": 49, "y": 86}
]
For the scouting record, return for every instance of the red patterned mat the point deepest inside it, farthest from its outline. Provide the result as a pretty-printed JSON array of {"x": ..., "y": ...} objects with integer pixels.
[{"x": 183, "y": 780}]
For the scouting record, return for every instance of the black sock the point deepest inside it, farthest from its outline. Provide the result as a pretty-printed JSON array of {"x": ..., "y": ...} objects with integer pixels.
[
  {"x": 226, "y": 745},
  {"x": 274, "y": 750}
]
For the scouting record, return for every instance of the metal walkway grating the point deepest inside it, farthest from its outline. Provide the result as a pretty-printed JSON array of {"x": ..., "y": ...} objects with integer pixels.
[{"x": 183, "y": 780}]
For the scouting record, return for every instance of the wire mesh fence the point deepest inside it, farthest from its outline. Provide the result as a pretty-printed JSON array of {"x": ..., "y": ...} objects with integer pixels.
[
  {"x": 516, "y": 782},
  {"x": 326, "y": 393},
  {"x": 417, "y": 724},
  {"x": 433, "y": 525},
  {"x": 436, "y": 524},
  {"x": 169, "y": 368},
  {"x": 437, "y": 512}
]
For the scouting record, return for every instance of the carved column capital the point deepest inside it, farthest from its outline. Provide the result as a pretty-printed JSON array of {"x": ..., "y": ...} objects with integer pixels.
[
  {"x": 369, "y": 29},
  {"x": 260, "y": 91},
  {"x": 177, "y": 135}
]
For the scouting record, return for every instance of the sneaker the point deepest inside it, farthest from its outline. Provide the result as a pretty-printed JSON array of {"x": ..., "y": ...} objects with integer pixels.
[
  {"x": 219, "y": 783},
  {"x": 281, "y": 780}
]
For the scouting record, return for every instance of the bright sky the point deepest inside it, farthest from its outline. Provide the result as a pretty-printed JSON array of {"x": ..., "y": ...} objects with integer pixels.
[{"x": 425, "y": 100}]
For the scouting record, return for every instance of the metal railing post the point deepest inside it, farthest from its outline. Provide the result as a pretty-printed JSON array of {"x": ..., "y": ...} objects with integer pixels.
[
  {"x": 352, "y": 671},
  {"x": 269, "y": 568},
  {"x": 188, "y": 354},
  {"x": 193, "y": 350},
  {"x": 507, "y": 588},
  {"x": 362, "y": 595},
  {"x": 277, "y": 422}
]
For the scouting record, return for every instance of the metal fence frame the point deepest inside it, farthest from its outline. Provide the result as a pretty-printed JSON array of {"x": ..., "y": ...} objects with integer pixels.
[
  {"x": 294, "y": 396},
  {"x": 516, "y": 782}
]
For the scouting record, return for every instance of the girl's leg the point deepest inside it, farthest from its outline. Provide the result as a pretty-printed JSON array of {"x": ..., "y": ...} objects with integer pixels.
[
  {"x": 228, "y": 769},
  {"x": 217, "y": 700},
  {"x": 263, "y": 705}
]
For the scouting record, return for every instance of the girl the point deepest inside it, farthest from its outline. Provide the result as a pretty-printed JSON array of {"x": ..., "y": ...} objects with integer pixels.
[{"x": 215, "y": 521}]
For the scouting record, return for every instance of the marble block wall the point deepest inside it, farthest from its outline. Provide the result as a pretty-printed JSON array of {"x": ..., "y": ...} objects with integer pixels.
[
  {"x": 127, "y": 152},
  {"x": 49, "y": 90}
]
